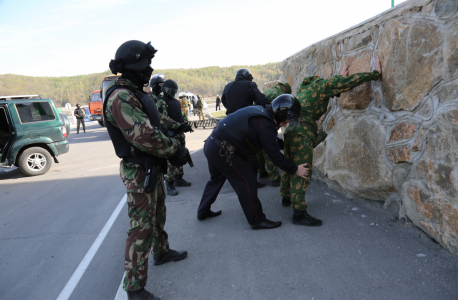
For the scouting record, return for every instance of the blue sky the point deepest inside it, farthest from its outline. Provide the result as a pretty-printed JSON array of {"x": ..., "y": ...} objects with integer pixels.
[{"x": 73, "y": 37}]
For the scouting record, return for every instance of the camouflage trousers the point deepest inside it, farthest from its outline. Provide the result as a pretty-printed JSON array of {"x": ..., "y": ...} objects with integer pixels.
[
  {"x": 147, "y": 214},
  {"x": 175, "y": 170},
  {"x": 263, "y": 161},
  {"x": 299, "y": 149},
  {"x": 78, "y": 122},
  {"x": 201, "y": 114},
  {"x": 186, "y": 112}
]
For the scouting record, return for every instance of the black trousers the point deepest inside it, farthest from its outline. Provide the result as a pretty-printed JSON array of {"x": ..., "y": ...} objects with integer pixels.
[
  {"x": 242, "y": 177},
  {"x": 218, "y": 106}
]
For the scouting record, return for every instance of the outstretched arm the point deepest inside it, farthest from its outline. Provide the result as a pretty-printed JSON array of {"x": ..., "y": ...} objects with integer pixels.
[{"x": 343, "y": 83}]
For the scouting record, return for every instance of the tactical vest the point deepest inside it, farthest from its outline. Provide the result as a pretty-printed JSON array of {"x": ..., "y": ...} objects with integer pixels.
[
  {"x": 173, "y": 109},
  {"x": 238, "y": 95},
  {"x": 236, "y": 125},
  {"x": 121, "y": 145}
]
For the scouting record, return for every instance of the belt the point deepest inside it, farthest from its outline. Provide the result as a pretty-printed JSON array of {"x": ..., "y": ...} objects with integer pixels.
[
  {"x": 216, "y": 141},
  {"x": 310, "y": 127},
  {"x": 142, "y": 160}
]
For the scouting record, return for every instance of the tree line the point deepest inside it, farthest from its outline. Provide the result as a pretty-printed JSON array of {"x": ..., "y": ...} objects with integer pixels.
[{"x": 208, "y": 81}]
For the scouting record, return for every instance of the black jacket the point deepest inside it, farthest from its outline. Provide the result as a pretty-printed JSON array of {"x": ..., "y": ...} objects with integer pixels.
[
  {"x": 262, "y": 135},
  {"x": 242, "y": 93}
]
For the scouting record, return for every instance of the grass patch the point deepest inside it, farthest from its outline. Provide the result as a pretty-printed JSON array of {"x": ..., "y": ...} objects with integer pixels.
[{"x": 218, "y": 114}]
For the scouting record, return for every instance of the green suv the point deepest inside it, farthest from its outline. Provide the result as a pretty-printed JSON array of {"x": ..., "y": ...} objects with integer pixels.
[{"x": 32, "y": 133}]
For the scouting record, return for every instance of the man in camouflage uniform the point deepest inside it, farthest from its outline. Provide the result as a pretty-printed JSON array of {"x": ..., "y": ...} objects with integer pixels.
[
  {"x": 200, "y": 108},
  {"x": 79, "y": 114},
  {"x": 133, "y": 125},
  {"x": 300, "y": 139},
  {"x": 263, "y": 159},
  {"x": 185, "y": 107}
]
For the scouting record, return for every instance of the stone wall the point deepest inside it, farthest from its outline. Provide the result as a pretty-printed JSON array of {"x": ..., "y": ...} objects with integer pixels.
[{"x": 396, "y": 139}]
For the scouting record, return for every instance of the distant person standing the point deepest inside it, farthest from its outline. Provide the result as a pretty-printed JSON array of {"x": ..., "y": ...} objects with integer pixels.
[
  {"x": 194, "y": 105},
  {"x": 79, "y": 114},
  {"x": 170, "y": 106},
  {"x": 218, "y": 103},
  {"x": 200, "y": 108}
]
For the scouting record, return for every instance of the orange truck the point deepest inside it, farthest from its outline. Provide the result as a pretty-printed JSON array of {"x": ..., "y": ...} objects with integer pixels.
[
  {"x": 98, "y": 98},
  {"x": 95, "y": 107}
]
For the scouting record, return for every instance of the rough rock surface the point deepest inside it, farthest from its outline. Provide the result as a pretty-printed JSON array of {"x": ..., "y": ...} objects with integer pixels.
[{"x": 394, "y": 139}]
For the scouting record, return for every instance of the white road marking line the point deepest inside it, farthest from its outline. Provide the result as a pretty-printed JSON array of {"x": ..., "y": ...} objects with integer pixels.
[
  {"x": 71, "y": 284},
  {"x": 121, "y": 294}
]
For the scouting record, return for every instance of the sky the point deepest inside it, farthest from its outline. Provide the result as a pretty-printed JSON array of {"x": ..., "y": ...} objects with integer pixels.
[{"x": 76, "y": 37}]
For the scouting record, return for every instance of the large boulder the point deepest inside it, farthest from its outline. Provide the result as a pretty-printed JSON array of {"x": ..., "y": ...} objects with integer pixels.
[
  {"x": 355, "y": 158},
  {"x": 410, "y": 54},
  {"x": 431, "y": 193}
]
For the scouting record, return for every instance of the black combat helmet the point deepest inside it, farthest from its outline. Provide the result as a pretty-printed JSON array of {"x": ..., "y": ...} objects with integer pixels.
[
  {"x": 286, "y": 107},
  {"x": 154, "y": 83},
  {"x": 77, "y": 104},
  {"x": 245, "y": 73},
  {"x": 170, "y": 87},
  {"x": 134, "y": 57}
]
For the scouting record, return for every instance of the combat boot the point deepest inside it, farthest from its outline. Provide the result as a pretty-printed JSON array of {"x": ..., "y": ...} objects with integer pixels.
[
  {"x": 179, "y": 181},
  {"x": 171, "y": 255},
  {"x": 263, "y": 175},
  {"x": 286, "y": 202},
  {"x": 141, "y": 295},
  {"x": 171, "y": 190},
  {"x": 303, "y": 218}
]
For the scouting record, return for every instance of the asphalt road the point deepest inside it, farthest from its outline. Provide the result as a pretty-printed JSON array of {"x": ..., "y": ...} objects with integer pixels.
[{"x": 48, "y": 224}]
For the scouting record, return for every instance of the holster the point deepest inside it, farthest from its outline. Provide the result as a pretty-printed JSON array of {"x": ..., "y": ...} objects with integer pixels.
[
  {"x": 153, "y": 167},
  {"x": 227, "y": 150}
]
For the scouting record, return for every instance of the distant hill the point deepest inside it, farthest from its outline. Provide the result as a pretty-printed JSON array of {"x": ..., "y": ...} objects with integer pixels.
[{"x": 207, "y": 81}]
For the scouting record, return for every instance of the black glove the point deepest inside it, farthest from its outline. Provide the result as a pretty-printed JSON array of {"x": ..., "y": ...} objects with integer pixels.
[
  {"x": 281, "y": 143},
  {"x": 319, "y": 138},
  {"x": 180, "y": 158},
  {"x": 185, "y": 127}
]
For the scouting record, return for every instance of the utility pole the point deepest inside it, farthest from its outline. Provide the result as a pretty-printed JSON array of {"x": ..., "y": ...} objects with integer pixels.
[{"x": 392, "y": 3}]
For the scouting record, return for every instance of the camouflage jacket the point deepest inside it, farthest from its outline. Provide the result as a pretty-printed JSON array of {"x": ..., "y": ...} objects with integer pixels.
[
  {"x": 125, "y": 112},
  {"x": 75, "y": 113},
  {"x": 166, "y": 121},
  {"x": 314, "y": 93},
  {"x": 277, "y": 90}
]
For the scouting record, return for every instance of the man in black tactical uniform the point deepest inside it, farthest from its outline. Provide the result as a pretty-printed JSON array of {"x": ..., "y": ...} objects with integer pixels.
[
  {"x": 133, "y": 123},
  {"x": 156, "y": 84},
  {"x": 230, "y": 153},
  {"x": 242, "y": 92},
  {"x": 171, "y": 107}
]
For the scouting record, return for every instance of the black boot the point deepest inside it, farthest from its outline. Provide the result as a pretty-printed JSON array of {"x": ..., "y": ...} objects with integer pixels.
[
  {"x": 141, "y": 295},
  {"x": 171, "y": 190},
  {"x": 208, "y": 214},
  {"x": 263, "y": 175},
  {"x": 286, "y": 202},
  {"x": 267, "y": 224},
  {"x": 170, "y": 255},
  {"x": 303, "y": 218},
  {"x": 179, "y": 181},
  {"x": 276, "y": 183},
  {"x": 260, "y": 185}
]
